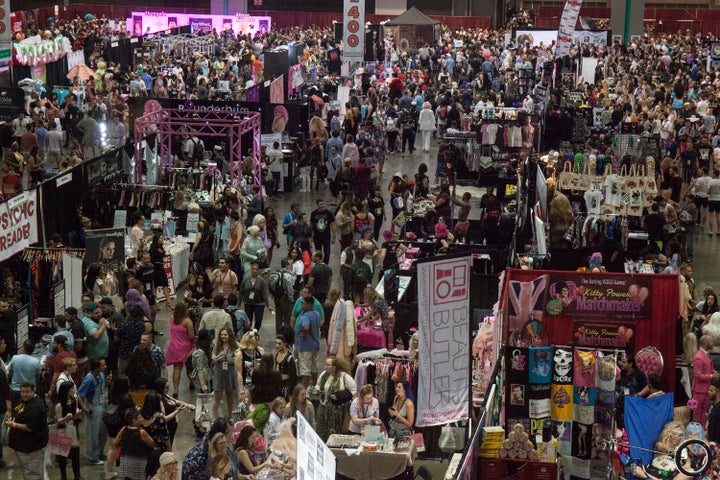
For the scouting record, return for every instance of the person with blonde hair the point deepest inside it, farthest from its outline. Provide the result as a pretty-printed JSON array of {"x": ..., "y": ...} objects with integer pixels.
[
  {"x": 672, "y": 434},
  {"x": 252, "y": 250},
  {"x": 272, "y": 427},
  {"x": 218, "y": 446},
  {"x": 249, "y": 358}
]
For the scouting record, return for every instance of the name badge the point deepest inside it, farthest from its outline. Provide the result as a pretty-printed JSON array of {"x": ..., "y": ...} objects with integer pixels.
[
  {"x": 224, "y": 365},
  {"x": 251, "y": 296},
  {"x": 220, "y": 290}
]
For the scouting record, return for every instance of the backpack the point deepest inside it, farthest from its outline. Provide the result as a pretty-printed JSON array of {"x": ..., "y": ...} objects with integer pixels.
[
  {"x": 276, "y": 283},
  {"x": 443, "y": 112},
  {"x": 360, "y": 273},
  {"x": 390, "y": 124},
  {"x": 198, "y": 149},
  {"x": 240, "y": 320}
]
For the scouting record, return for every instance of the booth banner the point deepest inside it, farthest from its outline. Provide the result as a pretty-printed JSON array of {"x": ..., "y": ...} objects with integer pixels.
[
  {"x": 602, "y": 297},
  {"x": 569, "y": 18},
  {"x": 102, "y": 169},
  {"x": 18, "y": 223},
  {"x": 444, "y": 330},
  {"x": 605, "y": 335},
  {"x": 526, "y": 300},
  {"x": 276, "y": 90},
  {"x": 297, "y": 121},
  {"x": 5, "y": 33},
  {"x": 12, "y": 101},
  {"x": 353, "y": 31}
]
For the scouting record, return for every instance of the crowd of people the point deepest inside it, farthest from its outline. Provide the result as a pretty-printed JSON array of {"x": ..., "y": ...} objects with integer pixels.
[{"x": 242, "y": 268}]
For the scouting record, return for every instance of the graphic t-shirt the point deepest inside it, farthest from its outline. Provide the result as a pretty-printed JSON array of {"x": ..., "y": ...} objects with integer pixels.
[
  {"x": 593, "y": 198},
  {"x": 612, "y": 190},
  {"x": 321, "y": 222}
]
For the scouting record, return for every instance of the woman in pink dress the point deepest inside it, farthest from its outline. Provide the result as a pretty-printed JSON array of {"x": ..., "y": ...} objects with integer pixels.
[{"x": 182, "y": 341}]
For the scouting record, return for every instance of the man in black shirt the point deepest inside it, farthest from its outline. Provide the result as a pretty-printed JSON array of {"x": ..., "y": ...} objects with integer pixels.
[
  {"x": 146, "y": 274},
  {"x": 713, "y": 422},
  {"x": 320, "y": 277},
  {"x": 689, "y": 159},
  {"x": 300, "y": 232},
  {"x": 632, "y": 381},
  {"x": 654, "y": 224},
  {"x": 323, "y": 225},
  {"x": 28, "y": 431}
]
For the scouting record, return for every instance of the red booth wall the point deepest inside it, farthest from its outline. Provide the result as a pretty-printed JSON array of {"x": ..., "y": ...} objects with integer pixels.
[{"x": 656, "y": 327}]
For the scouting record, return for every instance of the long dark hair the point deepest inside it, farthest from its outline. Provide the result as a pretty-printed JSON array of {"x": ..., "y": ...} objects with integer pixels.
[
  {"x": 152, "y": 405},
  {"x": 67, "y": 402},
  {"x": 120, "y": 387}
]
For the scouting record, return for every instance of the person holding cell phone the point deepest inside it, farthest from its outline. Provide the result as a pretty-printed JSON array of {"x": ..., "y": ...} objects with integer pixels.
[{"x": 402, "y": 413}]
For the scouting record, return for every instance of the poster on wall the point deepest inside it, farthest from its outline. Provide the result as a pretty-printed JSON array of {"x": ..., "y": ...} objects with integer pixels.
[
  {"x": 18, "y": 224},
  {"x": 599, "y": 296},
  {"x": 315, "y": 460},
  {"x": 444, "y": 330},
  {"x": 106, "y": 248}
]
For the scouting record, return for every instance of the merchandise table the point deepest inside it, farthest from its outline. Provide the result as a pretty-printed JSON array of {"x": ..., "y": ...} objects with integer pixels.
[{"x": 373, "y": 465}]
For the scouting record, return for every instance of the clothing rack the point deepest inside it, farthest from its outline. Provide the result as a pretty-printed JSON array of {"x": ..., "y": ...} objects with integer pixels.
[
  {"x": 49, "y": 253},
  {"x": 141, "y": 187}
]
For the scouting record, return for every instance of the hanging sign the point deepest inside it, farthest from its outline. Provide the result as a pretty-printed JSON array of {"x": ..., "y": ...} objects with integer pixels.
[
  {"x": 353, "y": 31},
  {"x": 444, "y": 330},
  {"x": 566, "y": 30},
  {"x": 59, "y": 297},
  {"x": 5, "y": 33},
  {"x": 600, "y": 297},
  {"x": 620, "y": 336},
  {"x": 18, "y": 224}
]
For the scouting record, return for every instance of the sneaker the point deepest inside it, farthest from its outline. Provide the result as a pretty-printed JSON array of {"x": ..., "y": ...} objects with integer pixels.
[{"x": 95, "y": 462}]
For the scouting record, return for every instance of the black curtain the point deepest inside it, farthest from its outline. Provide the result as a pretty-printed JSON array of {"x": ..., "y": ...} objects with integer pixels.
[{"x": 56, "y": 73}]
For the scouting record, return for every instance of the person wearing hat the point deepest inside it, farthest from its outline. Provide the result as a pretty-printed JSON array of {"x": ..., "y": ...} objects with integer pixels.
[{"x": 168, "y": 467}]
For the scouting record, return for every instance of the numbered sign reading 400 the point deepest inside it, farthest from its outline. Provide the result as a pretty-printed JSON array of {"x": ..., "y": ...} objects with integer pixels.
[{"x": 353, "y": 24}]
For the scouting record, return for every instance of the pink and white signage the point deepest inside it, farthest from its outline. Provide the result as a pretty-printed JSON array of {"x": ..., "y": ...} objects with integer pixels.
[
  {"x": 444, "y": 336},
  {"x": 142, "y": 23}
]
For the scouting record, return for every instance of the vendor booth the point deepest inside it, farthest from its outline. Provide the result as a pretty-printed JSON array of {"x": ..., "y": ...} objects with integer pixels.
[
  {"x": 412, "y": 29},
  {"x": 552, "y": 391}
]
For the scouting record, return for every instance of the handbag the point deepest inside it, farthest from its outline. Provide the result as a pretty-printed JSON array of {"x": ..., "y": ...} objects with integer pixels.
[
  {"x": 564, "y": 179},
  {"x": 59, "y": 444},
  {"x": 585, "y": 178},
  {"x": 419, "y": 441},
  {"x": 452, "y": 439}
]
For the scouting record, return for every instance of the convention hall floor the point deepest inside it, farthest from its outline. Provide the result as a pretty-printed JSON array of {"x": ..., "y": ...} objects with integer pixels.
[{"x": 707, "y": 250}]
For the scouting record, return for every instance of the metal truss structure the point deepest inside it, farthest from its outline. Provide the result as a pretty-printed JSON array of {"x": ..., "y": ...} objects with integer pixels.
[{"x": 167, "y": 123}]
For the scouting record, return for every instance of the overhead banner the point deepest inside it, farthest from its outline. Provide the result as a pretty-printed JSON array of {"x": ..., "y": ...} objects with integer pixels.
[
  {"x": 353, "y": 31},
  {"x": 5, "y": 35},
  {"x": 18, "y": 223},
  {"x": 567, "y": 27},
  {"x": 444, "y": 329},
  {"x": 602, "y": 297}
]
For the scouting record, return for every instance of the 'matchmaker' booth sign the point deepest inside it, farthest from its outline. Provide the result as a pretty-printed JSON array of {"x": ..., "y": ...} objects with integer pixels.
[{"x": 592, "y": 309}]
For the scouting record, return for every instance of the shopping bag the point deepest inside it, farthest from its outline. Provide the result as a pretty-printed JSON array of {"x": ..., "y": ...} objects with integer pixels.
[
  {"x": 586, "y": 177},
  {"x": 452, "y": 439},
  {"x": 59, "y": 444},
  {"x": 566, "y": 177},
  {"x": 419, "y": 441}
]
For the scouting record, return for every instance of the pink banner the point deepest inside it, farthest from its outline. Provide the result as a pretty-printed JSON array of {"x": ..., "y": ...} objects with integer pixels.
[
  {"x": 276, "y": 90},
  {"x": 567, "y": 27}
]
